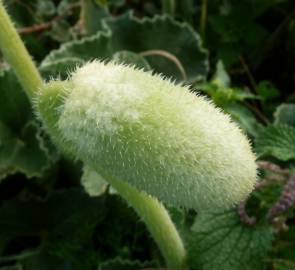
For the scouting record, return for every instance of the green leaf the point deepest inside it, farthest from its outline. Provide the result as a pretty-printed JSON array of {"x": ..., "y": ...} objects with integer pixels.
[
  {"x": 94, "y": 11},
  {"x": 20, "y": 14},
  {"x": 23, "y": 146},
  {"x": 123, "y": 264},
  {"x": 232, "y": 30},
  {"x": 219, "y": 88},
  {"x": 221, "y": 241},
  {"x": 65, "y": 5},
  {"x": 244, "y": 118},
  {"x": 15, "y": 109},
  {"x": 127, "y": 33},
  {"x": 101, "y": 2},
  {"x": 61, "y": 31},
  {"x": 131, "y": 58},
  {"x": 221, "y": 78},
  {"x": 284, "y": 256},
  {"x": 241, "y": 95},
  {"x": 59, "y": 210},
  {"x": 30, "y": 152},
  {"x": 66, "y": 217},
  {"x": 45, "y": 261},
  {"x": 223, "y": 96},
  {"x": 69, "y": 223},
  {"x": 277, "y": 141},
  {"x": 45, "y": 8},
  {"x": 267, "y": 90},
  {"x": 285, "y": 114},
  {"x": 60, "y": 68}
]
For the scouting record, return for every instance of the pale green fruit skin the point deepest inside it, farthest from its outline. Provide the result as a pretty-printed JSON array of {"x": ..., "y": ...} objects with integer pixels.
[
  {"x": 157, "y": 136},
  {"x": 48, "y": 106}
]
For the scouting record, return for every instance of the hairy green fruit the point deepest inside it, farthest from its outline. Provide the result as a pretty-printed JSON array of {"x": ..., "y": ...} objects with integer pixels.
[{"x": 157, "y": 136}]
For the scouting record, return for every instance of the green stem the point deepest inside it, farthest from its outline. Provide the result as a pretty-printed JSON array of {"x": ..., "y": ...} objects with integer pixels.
[
  {"x": 157, "y": 220},
  {"x": 168, "y": 7},
  {"x": 203, "y": 19},
  {"x": 17, "y": 55}
]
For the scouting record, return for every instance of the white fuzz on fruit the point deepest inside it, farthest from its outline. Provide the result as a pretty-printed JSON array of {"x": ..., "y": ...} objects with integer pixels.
[{"x": 157, "y": 136}]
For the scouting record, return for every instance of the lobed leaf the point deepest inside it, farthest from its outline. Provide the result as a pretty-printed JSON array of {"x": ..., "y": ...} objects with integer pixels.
[
  {"x": 67, "y": 219},
  {"x": 285, "y": 114},
  {"x": 220, "y": 241},
  {"x": 277, "y": 141},
  {"x": 127, "y": 33},
  {"x": 23, "y": 145},
  {"x": 30, "y": 152}
]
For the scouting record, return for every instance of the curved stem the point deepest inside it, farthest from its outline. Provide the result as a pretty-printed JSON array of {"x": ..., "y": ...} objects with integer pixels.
[
  {"x": 17, "y": 55},
  {"x": 157, "y": 220},
  {"x": 203, "y": 19},
  {"x": 170, "y": 57}
]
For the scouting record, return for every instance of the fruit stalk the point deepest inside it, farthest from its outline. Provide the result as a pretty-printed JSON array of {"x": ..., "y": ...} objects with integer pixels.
[
  {"x": 157, "y": 219},
  {"x": 17, "y": 55}
]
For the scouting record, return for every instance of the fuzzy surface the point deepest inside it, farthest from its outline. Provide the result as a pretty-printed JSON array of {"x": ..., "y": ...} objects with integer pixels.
[{"x": 157, "y": 136}]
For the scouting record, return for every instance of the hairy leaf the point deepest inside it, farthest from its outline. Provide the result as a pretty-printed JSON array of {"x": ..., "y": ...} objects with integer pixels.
[
  {"x": 94, "y": 13},
  {"x": 285, "y": 114},
  {"x": 277, "y": 141},
  {"x": 23, "y": 146},
  {"x": 267, "y": 90},
  {"x": 67, "y": 218},
  {"x": 61, "y": 208},
  {"x": 161, "y": 34},
  {"x": 46, "y": 261},
  {"x": 131, "y": 59},
  {"x": 244, "y": 117},
  {"x": 29, "y": 152},
  {"x": 221, "y": 241}
]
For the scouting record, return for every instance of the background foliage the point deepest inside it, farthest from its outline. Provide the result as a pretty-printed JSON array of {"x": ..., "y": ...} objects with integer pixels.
[{"x": 54, "y": 214}]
